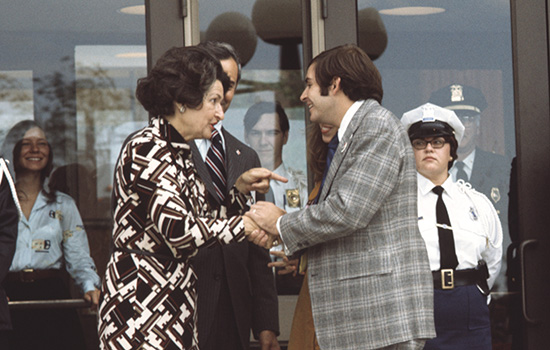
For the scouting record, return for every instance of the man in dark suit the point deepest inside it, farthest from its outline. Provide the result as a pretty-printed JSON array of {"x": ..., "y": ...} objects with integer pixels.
[
  {"x": 487, "y": 172},
  {"x": 9, "y": 218},
  {"x": 235, "y": 288}
]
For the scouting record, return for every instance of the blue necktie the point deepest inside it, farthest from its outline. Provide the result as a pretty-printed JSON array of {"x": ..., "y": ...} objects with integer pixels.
[{"x": 332, "y": 146}]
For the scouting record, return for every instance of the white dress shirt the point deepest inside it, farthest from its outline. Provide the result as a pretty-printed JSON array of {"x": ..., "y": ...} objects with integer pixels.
[
  {"x": 468, "y": 166},
  {"x": 476, "y": 227}
]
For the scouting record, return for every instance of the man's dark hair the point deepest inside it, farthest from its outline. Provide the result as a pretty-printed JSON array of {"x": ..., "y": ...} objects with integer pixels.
[
  {"x": 222, "y": 51},
  {"x": 256, "y": 111},
  {"x": 359, "y": 78}
]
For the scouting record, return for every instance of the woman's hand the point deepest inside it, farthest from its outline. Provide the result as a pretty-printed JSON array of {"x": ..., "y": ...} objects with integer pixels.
[
  {"x": 93, "y": 298},
  {"x": 257, "y": 179}
]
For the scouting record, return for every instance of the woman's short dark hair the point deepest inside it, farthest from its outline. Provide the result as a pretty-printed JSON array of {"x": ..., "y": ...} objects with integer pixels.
[
  {"x": 359, "y": 77},
  {"x": 183, "y": 75},
  {"x": 454, "y": 147}
]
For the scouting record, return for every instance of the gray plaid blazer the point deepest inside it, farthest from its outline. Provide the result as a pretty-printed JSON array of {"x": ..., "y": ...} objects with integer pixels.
[{"x": 368, "y": 270}]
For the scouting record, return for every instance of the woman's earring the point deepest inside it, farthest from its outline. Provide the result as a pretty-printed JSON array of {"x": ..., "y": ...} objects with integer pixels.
[{"x": 182, "y": 109}]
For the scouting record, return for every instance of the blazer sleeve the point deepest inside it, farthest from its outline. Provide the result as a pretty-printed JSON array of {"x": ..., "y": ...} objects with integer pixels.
[{"x": 367, "y": 175}]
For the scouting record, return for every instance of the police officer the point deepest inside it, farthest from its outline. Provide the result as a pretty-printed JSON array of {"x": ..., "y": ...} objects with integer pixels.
[
  {"x": 461, "y": 229},
  {"x": 487, "y": 172}
]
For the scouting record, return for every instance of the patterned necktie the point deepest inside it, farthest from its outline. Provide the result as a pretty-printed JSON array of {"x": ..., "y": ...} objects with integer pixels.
[
  {"x": 446, "y": 240},
  {"x": 215, "y": 162},
  {"x": 460, "y": 172}
]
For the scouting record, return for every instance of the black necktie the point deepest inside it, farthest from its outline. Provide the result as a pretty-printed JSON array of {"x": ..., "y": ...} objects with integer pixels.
[
  {"x": 446, "y": 240},
  {"x": 460, "y": 173},
  {"x": 215, "y": 162}
]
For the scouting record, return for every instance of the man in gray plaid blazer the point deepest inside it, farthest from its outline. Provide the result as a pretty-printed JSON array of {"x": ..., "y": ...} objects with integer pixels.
[{"x": 369, "y": 278}]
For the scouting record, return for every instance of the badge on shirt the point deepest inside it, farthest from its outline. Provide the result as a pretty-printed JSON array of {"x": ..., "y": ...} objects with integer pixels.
[
  {"x": 56, "y": 215},
  {"x": 41, "y": 245},
  {"x": 293, "y": 198}
]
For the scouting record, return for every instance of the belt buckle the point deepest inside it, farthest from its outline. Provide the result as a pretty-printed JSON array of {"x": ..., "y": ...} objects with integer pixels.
[
  {"x": 447, "y": 279},
  {"x": 25, "y": 275}
]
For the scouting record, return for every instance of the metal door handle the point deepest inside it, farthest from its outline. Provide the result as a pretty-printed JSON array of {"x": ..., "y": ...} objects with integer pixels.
[{"x": 522, "y": 247}]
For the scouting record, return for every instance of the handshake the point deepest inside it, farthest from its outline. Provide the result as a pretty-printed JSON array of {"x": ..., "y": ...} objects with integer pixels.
[{"x": 260, "y": 222}]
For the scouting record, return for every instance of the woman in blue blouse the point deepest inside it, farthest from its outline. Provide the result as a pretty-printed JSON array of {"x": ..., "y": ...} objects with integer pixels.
[{"x": 51, "y": 240}]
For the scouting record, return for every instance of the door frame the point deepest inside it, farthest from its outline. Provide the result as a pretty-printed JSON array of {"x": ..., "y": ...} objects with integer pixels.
[{"x": 530, "y": 45}]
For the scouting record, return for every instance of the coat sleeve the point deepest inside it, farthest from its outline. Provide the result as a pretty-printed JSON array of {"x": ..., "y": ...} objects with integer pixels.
[{"x": 163, "y": 188}]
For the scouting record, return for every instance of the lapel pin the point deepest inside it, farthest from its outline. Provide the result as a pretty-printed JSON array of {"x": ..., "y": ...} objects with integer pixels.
[
  {"x": 238, "y": 152},
  {"x": 344, "y": 147}
]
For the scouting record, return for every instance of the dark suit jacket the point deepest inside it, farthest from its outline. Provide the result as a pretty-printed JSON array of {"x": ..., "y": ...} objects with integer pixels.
[
  {"x": 491, "y": 176},
  {"x": 9, "y": 219},
  {"x": 244, "y": 265}
]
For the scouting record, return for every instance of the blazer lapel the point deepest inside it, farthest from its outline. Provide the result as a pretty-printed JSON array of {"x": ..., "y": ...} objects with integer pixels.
[
  {"x": 343, "y": 146},
  {"x": 233, "y": 159}
]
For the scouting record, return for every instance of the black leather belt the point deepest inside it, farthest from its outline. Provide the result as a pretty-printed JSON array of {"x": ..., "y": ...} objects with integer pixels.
[
  {"x": 31, "y": 275},
  {"x": 449, "y": 278}
]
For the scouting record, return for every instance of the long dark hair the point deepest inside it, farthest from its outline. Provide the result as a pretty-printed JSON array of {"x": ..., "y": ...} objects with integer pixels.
[
  {"x": 16, "y": 135},
  {"x": 316, "y": 152}
]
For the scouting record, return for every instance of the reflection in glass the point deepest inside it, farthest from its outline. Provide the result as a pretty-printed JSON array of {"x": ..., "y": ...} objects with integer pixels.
[{"x": 466, "y": 45}]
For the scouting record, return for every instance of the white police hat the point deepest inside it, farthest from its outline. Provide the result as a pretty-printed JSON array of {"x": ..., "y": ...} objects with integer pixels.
[{"x": 430, "y": 120}]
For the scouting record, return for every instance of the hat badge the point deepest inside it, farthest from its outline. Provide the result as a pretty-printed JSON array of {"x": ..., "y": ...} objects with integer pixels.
[{"x": 456, "y": 93}]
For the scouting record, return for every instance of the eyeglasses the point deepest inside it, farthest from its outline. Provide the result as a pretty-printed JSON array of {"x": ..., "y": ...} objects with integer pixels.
[
  {"x": 436, "y": 143},
  {"x": 469, "y": 119}
]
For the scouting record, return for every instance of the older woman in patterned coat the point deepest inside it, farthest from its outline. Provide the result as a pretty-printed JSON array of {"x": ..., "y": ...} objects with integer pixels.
[{"x": 162, "y": 214}]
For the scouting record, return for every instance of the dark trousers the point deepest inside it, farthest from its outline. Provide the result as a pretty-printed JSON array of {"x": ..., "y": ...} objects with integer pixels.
[
  {"x": 33, "y": 329},
  {"x": 224, "y": 333},
  {"x": 462, "y": 320}
]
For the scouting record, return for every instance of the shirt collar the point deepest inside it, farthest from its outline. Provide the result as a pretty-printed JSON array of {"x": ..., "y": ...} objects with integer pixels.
[
  {"x": 425, "y": 186},
  {"x": 348, "y": 117},
  {"x": 204, "y": 144},
  {"x": 469, "y": 160}
]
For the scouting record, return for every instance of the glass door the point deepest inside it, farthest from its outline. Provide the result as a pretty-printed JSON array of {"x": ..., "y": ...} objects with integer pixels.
[{"x": 71, "y": 66}]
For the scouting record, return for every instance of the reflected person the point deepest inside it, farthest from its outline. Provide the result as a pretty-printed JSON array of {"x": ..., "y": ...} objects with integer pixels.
[
  {"x": 51, "y": 241},
  {"x": 266, "y": 130},
  {"x": 487, "y": 172}
]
